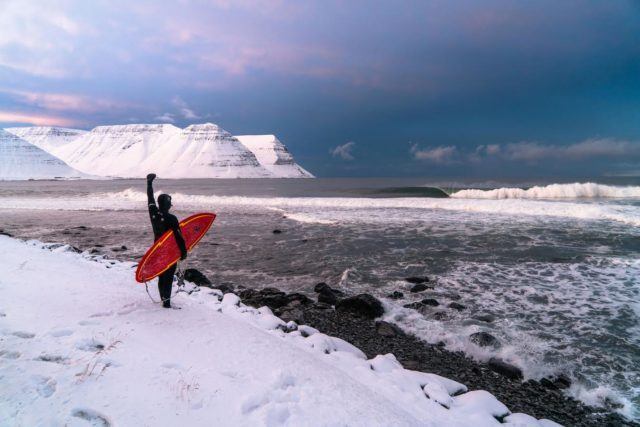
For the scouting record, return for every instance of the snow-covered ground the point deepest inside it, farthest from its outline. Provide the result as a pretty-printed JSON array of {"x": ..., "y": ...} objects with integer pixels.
[{"x": 82, "y": 344}]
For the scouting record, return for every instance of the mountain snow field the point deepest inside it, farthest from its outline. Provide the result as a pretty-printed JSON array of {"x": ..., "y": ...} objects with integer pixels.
[
  {"x": 132, "y": 151},
  {"x": 82, "y": 344},
  {"x": 20, "y": 159}
]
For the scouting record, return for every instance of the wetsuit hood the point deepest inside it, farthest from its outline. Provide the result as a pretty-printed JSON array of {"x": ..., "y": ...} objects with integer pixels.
[{"x": 164, "y": 202}]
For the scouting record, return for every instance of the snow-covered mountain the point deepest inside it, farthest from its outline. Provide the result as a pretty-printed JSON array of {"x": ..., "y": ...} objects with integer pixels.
[
  {"x": 274, "y": 156},
  {"x": 197, "y": 151},
  {"x": 46, "y": 137},
  {"x": 20, "y": 159}
]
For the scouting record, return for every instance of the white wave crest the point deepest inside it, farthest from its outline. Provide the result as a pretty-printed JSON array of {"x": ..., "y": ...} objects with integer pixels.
[{"x": 587, "y": 190}]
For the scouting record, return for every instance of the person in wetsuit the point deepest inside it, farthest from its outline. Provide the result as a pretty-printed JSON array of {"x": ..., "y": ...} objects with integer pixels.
[{"x": 161, "y": 221}]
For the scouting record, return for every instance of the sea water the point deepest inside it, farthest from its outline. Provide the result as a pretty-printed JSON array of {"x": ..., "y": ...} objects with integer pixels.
[{"x": 555, "y": 265}]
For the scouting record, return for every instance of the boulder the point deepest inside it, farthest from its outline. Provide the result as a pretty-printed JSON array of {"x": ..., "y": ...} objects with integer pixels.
[
  {"x": 504, "y": 368},
  {"x": 420, "y": 287},
  {"x": 484, "y": 339},
  {"x": 194, "y": 276},
  {"x": 417, "y": 279},
  {"x": 276, "y": 231},
  {"x": 323, "y": 287},
  {"x": 488, "y": 318},
  {"x": 414, "y": 305},
  {"x": 387, "y": 329},
  {"x": 395, "y": 295},
  {"x": 225, "y": 288},
  {"x": 364, "y": 305},
  {"x": 430, "y": 301},
  {"x": 327, "y": 297},
  {"x": 457, "y": 306}
]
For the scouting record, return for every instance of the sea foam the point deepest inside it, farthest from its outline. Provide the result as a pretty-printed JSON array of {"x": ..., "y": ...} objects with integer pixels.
[{"x": 588, "y": 190}]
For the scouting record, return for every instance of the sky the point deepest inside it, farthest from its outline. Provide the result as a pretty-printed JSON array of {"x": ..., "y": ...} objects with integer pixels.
[{"x": 429, "y": 88}]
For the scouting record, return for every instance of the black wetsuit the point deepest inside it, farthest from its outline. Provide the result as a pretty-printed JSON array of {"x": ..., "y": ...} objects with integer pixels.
[{"x": 162, "y": 221}]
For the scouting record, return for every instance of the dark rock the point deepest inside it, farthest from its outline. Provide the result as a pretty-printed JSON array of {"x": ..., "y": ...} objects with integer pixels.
[
  {"x": 4, "y": 233},
  {"x": 457, "y": 306},
  {"x": 362, "y": 305},
  {"x": 276, "y": 231},
  {"x": 411, "y": 364},
  {"x": 562, "y": 382},
  {"x": 271, "y": 297},
  {"x": 488, "y": 318},
  {"x": 417, "y": 279},
  {"x": 194, "y": 276},
  {"x": 327, "y": 297},
  {"x": 504, "y": 368},
  {"x": 119, "y": 248},
  {"x": 321, "y": 306},
  {"x": 430, "y": 301},
  {"x": 454, "y": 297},
  {"x": 294, "y": 314},
  {"x": 94, "y": 251},
  {"x": 440, "y": 315},
  {"x": 225, "y": 288},
  {"x": 420, "y": 287},
  {"x": 323, "y": 287},
  {"x": 396, "y": 295},
  {"x": 387, "y": 329},
  {"x": 484, "y": 339},
  {"x": 415, "y": 305},
  {"x": 298, "y": 299}
]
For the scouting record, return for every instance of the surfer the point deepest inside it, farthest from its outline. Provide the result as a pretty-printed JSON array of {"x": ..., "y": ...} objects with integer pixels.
[{"x": 161, "y": 221}]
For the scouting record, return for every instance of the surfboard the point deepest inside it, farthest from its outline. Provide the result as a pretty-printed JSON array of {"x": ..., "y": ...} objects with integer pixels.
[{"x": 165, "y": 251}]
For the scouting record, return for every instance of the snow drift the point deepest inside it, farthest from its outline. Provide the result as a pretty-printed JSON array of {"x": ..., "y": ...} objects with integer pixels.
[
  {"x": 84, "y": 344},
  {"x": 21, "y": 160}
]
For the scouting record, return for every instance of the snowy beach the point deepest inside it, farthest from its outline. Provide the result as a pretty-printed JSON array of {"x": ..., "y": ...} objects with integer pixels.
[{"x": 80, "y": 344}]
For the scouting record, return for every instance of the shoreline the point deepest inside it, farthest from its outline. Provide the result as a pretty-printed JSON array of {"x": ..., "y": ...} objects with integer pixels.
[
  {"x": 531, "y": 397},
  {"x": 536, "y": 398}
]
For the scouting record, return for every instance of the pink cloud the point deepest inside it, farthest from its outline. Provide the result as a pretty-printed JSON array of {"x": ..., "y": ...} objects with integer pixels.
[{"x": 36, "y": 119}]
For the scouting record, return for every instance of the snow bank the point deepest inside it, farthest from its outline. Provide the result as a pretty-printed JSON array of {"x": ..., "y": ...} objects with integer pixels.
[{"x": 81, "y": 342}]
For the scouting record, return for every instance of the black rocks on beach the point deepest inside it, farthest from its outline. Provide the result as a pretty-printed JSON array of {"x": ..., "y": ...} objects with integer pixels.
[
  {"x": 417, "y": 279},
  {"x": 363, "y": 305},
  {"x": 484, "y": 339},
  {"x": 353, "y": 321}
]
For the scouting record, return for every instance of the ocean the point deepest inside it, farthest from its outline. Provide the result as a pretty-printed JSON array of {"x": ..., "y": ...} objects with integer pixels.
[{"x": 553, "y": 266}]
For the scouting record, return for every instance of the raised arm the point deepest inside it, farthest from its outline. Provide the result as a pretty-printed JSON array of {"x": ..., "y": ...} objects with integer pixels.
[{"x": 150, "y": 198}]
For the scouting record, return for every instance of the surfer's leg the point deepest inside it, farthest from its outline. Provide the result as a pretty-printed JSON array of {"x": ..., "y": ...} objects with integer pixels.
[{"x": 164, "y": 286}]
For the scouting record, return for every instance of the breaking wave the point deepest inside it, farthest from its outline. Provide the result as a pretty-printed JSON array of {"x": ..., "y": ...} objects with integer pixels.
[{"x": 588, "y": 190}]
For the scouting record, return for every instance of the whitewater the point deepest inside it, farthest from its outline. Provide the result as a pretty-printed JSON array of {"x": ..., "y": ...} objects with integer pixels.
[{"x": 554, "y": 265}]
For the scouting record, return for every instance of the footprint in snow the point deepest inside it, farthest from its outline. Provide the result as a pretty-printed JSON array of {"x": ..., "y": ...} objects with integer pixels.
[
  {"x": 90, "y": 344},
  {"x": 9, "y": 354},
  {"x": 24, "y": 335},
  {"x": 61, "y": 333},
  {"x": 94, "y": 417},
  {"x": 102, "y": 314},
  {"x": 53, "y": 359},
  {"x": 45, "y": 386}
]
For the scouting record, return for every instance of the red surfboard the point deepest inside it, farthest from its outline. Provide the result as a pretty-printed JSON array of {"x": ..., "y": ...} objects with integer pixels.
[{"x": 165, "y": 251}]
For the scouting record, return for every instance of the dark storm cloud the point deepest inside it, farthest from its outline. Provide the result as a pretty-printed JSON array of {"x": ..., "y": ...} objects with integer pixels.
[{"x": 442, "y": 77}]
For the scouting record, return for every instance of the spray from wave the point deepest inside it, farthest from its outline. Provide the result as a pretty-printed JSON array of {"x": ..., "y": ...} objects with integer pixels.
[{"x": 588, "y": 190}]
